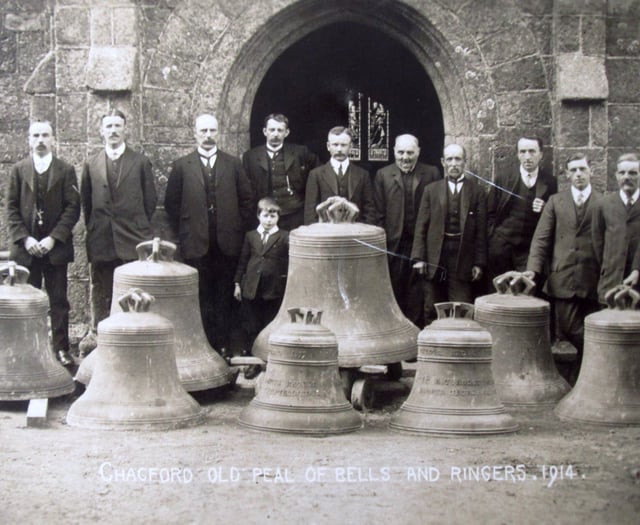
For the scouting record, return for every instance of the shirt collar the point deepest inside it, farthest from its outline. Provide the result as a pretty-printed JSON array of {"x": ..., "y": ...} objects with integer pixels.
[
  {"x": 453, "y": 183},
  {"x": 275, "y": 150},
  {"x": 273, "y": 230},
  {"x": 42, "y": 164},
  {"x": 634, "y": 197},
  {"x": 336, "y": 165},
  {"x": 115, "y": 154},
  {"x": 586, "y": 193},
  {"x": 208, "y": 153},
  {"x": 529, "y": 177}
]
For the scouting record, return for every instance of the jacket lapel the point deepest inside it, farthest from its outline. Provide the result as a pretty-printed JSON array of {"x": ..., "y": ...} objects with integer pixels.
[
  {"x": 331, "y": 178},
  {"x": 288, "y": 157},
  {"x": 55, "y": 174},
  {"x": 271, "y": 240},
  {"x": 30, "y": 174},
  {"x": 127, "y": 164},
  {"x": 99, "y": 167},
  {"x": 541, "y": 185},
  {"x": 263, "y": 158},
  {"x": 465, "y": 198}
]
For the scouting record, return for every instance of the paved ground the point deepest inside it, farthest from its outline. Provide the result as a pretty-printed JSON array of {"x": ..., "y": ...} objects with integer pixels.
[{"x": 550, "y": 471}]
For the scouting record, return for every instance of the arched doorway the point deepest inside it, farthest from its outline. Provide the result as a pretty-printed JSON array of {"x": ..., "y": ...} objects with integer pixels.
[{"x": 314, "y": 79}]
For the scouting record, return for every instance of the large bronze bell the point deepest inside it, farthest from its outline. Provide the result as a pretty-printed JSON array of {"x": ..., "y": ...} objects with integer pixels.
[
  {"x": 453, "y": 391},
  {"x": 301, "y": 391},
  {"x": 608, "y": 388},
  {"x": 135, "y": 382},
  {"x": 341, "y": 268},
  {"x": 175, "y": 287},
  {"x": 523, "y": 366},
  {"x": 28, "y": 367}
]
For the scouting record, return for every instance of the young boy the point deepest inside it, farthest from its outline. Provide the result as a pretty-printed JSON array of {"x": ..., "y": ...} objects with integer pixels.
[{"x": 262, "y": 273}]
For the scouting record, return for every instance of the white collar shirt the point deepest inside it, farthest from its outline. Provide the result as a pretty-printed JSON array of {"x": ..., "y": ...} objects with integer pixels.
[
  {"x": 41, "y": 164},
  {"x": 529, "y": 178}
]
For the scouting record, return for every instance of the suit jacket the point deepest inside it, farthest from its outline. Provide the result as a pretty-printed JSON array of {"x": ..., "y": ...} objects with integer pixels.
[
  {"x": 564, "y": 244},
  {"x": 616, "y": 240},
  {"x": 263, "y": 267},
  {"x": 117, "y": 221},
  {"x": 499, "y": 201},
  {"x": 61, "y": 210},
  {"x": 186, "y": 204},
  {"x": 298, "y": 162},
  {"x": 430, "y": 224},
  {"x": 388, "y": 195},
  {"x": 323, "y": 183}
]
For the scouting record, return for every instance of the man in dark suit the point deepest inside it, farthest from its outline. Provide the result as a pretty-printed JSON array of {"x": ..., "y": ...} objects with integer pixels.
[
  {"x": 210, "y": 205},
  {"x": 339, "y": 177},
  {"x": 280, "y": 170},
  {"x": 616, "y": 229},
  {"x": 397, "y": 192},
  {"x": 514, "y": 205},
  {"x": 43, "y": 205},
  {"x": 118, "y": 199},
  {"x": 450, "y": 240},
  {"x": 562, "y": 243}
]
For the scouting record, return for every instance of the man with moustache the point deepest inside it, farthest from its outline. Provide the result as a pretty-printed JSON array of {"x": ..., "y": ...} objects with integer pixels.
[
  {"x": 616, "y": 229},
  {"x": 450, "y": 239},
  {"x": 210, "y": 205},
  {"x": 118, "y": 199},
  {"x": 562, "y": 242},
  {"x": 43, "y": 205},
  {"x": 397, "y": 192},
  {"x": 280, "y": 170},
  {"x": 339, "y": 177},
  {"x": 514, "y": 205}
]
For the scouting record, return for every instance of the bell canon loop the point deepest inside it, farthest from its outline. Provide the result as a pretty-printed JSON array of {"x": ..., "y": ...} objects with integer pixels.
[
  {"x": 301, "y": 391},
  {"x": 135, "y": 383},
  {"x": 523, "y": 366},
  {"x": 453, "y": 391},
  {"x": 175, "y": 288},
  {"x": 28, "y": 367},
  {"x": 607, "y": 391}
]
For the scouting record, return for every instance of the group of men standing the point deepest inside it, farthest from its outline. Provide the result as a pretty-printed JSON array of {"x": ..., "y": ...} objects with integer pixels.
[{"x": 445, "y": 236}]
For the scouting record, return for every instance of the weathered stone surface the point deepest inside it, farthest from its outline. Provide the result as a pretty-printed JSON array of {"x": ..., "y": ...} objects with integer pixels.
[
  {"x": 537, "y": 7},
  {"x": 623, "y": 74},
  {"x": 24, "y": 5},
  {"x": 541, "y": 27},
  {"x": 101, "y": 24},
  {"x": 32, "y": 47},
  {"x": 623, "y": 37},
  {"x": 8, "y": 51},
  {"x": 125, "y": 24},
  {"x": 167, "y": 108},
  {"x": 72, "y": 26},
  {"x": 70, "y": 70},
  {"x": 594, "y": 37},
  {"x": 154, "y": 20},
  {"x": 172, "y": 73},
  {"x": 573, "y": 7},
  {"x": 567, "y": 33},
  {"x": 623, "y": 7},
  {"x": 43, "y": 78},
  {"x": 43, "y": 107},
  {"x": 29, "y": 21},
  {"x": 580, "y": 77},
  {"x": 112, "y": 69},
  {"x": 526, "y": 73},
  {"x": 516, "y": 42},
  {"x": 14, "y": 108},
  {"x": 72, "y": 124},
  {"x": 624, "y": 122},
  {"x": 599, "y": 125},
  {"x": 524, "y": 108},
  {"x": 480, "y": 18},
  {"x": 572, "y": 124}
]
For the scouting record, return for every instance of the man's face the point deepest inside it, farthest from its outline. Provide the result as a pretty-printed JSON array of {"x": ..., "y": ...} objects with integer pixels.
[
  {"x": 113, "y": 131},
  {"x": 453, "y": 161},
  {"x": 338, "y": 146},
  {"x": 275, "y": 132},
  {"x": 40, "y": 138},
  {"x": 268, "y": 219},
  {"x": 206, "y": 131},
  {"x": 529, "y": 154},
  {"x": 627, "y": 174},
  {"x": 406, "y": 152},
  {"x": 579, "y": 173}
]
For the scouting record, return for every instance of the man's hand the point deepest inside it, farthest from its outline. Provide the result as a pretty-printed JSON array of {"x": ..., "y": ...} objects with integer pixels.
[
  {"x": 476, "y": 273},
  {"x": 237, "y": 292},
  {"x": 538, "y": 204},
  {"x": 47, "y": 244},
  {"x": 420, "y": 267},
  {"x": 632, "y": 278},
  {"x": 33, "y": 247}
]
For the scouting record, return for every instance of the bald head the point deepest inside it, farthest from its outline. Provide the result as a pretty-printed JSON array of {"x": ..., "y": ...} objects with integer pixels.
[{"x": 406, "y": 152}]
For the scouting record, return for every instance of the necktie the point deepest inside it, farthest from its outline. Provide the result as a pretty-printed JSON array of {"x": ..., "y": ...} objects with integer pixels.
[
  {"x": 629, "y": 203},
  {"x": 529, "y": 181},
  {"x": 265, "y": 236},
  {"x": 208, "y": 161},
  {"x": 580, "y": 199},
  {"x": 340, "y": 172}
]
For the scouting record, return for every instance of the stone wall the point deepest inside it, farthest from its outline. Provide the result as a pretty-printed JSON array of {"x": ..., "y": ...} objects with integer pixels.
[{"x": 564, "y": 69}]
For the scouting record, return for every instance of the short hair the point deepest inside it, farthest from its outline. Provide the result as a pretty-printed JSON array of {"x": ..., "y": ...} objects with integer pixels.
[
  {"x": 464, "y": 151},
  {"x": 576, "y": 156},
  {"x": 114, "y": 112},
  {"x": 41, "y": 121},
  {"x": 278, "y": 117},
  {"x": 632, "y": 157},
  {"x": 409, "y": 136},
  {"x": 339, "y": 130},
  {"x": 269, "y": 205},
  {"x": 531, "y": 137}
]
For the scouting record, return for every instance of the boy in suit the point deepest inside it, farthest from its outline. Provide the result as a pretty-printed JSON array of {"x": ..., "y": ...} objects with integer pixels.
[{"x": 261, "y": 275}]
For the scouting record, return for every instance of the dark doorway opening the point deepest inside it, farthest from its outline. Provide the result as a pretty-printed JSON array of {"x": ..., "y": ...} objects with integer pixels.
[{"x": 312, "y": 82}]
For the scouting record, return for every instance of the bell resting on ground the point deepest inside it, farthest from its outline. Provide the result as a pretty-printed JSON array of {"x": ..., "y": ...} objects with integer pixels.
[
  {"x": 175, "y": 287},
  {"x": 608, "y": 388},
  {"x": 301, "y": 391},
  {"x": 453, "y": 391},
  {"x": 135, "y": 384},
  {"x": 28, "y": 367},
  {"x": 523, "y": 366},
  {"x": 342, "y": 269}
]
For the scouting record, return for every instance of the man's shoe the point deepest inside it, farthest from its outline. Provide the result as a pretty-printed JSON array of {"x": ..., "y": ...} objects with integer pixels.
[
  {"x": 65, "y": 358},
  {"x": 252, "y": 371}
]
